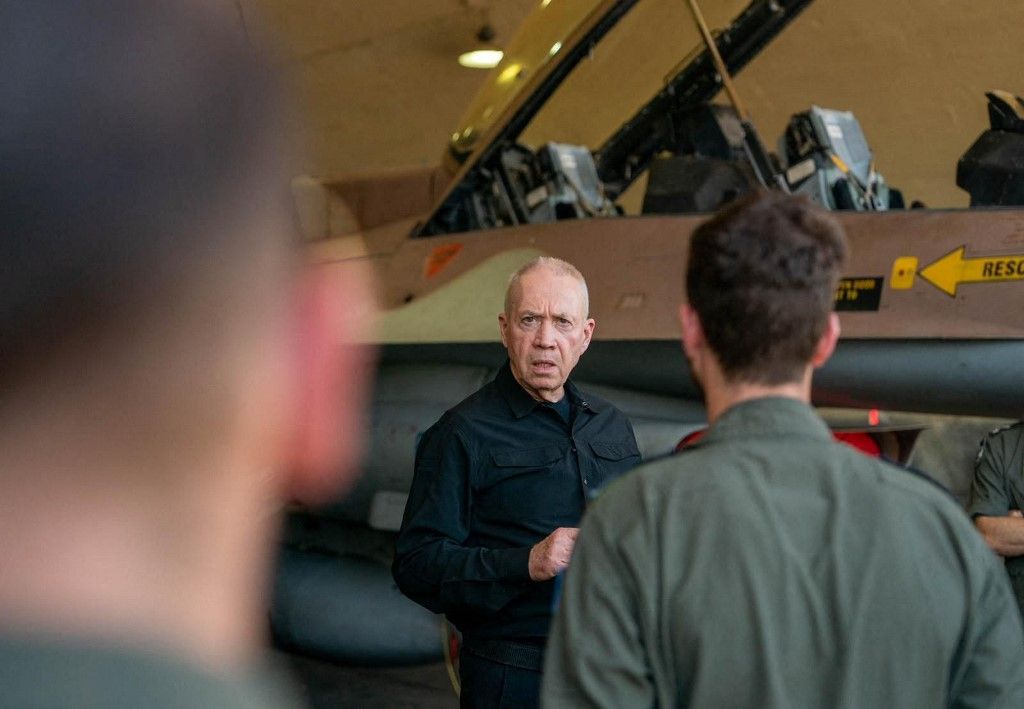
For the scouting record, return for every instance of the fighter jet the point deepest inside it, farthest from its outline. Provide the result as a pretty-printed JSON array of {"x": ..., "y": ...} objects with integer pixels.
[{"x": 930, "y": 304}]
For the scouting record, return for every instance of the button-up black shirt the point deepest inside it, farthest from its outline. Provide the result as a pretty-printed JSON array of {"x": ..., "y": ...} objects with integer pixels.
[{"x": 494, "y": 476}]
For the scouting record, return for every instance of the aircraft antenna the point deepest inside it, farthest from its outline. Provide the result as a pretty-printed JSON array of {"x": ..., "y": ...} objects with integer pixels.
[
  {"x": 723, "y": 72},
  {"x": 752, "y": 145}
]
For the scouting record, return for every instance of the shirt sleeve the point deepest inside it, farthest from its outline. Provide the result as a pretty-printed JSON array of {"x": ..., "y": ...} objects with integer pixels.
[
  {"x": 992, "y": 670},
  {"x": 433, "y": 564},
  {"x": 638, "y": 458},
  {"x": 595, "y": 655},
  {"x": 988, "y": 489}
]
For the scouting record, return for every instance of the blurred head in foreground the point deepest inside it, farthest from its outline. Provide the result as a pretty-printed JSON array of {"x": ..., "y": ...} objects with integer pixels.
[{"x": 169, "y": 369}]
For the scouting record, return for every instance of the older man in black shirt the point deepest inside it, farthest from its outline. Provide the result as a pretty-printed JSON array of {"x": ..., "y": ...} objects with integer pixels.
[{"x": 500, "y": 485}]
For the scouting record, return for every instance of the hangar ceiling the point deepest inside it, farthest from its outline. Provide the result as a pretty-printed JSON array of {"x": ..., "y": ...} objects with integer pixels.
[
  {"x": 380, "y": 86},
  {"x": 378, "y": 79}
]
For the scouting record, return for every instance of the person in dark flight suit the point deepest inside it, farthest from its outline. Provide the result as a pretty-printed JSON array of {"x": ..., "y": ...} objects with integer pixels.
[{"x": 997, "y": 497}]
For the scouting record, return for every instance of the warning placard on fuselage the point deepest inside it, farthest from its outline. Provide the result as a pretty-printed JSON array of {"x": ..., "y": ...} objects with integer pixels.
[{"x": 861, "y": 293}]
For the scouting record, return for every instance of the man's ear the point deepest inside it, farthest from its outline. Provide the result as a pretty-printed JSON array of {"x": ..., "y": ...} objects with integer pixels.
[
  {"x": 588, "y": 333},
  {"x": 694, "y": 343},
  {"x": 503, "y": 328},
  {"x": 332, "y": 367},
  {"x": 827, "y": 342}
]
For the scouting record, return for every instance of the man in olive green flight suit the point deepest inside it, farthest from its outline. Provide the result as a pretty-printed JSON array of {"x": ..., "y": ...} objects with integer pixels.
[
  {"x": 997, "y": 497},
  {"x": 170, "y": 372},
  {"x": 771, "y": 566}
]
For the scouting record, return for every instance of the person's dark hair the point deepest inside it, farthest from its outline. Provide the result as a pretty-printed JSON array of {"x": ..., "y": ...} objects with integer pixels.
[
  {"x": 762, "y": 276},
  {"x": 129, "y": 129}
]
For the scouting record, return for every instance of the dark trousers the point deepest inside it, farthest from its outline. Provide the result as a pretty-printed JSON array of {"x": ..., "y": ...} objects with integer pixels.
[{"x": 487, "y": 684}]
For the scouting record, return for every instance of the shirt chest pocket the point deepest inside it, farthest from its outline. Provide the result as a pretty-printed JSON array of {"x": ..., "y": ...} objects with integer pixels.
[
  {"x": 611, "y": 459},
  {"x": 518, "y": 479}
]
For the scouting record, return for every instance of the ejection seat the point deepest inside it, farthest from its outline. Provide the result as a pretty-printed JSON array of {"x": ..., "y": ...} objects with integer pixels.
[{"x": 992, "y": 169}]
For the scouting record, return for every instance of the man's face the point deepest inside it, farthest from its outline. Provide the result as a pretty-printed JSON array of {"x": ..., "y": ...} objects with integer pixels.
[{"x": 546, "y": 331}]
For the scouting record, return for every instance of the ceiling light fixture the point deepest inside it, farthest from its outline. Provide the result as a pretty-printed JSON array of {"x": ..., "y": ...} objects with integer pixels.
[
  {"x": 481, "y": 58},
  {"x": 485, "y": 55}
]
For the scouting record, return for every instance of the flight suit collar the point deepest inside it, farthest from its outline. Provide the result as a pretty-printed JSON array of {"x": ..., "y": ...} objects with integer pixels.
[
  {"x": 39, "y": 670},
  {"x": 522, "y": 403},
  {"x": 767, "y": 417}
]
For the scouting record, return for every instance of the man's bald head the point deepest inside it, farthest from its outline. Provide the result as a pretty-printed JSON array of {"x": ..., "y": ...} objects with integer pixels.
[{"x": 555, "y": 265}]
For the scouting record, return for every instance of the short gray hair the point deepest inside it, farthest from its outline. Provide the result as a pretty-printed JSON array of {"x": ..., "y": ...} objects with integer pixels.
[{"x": 560, "y": 267}]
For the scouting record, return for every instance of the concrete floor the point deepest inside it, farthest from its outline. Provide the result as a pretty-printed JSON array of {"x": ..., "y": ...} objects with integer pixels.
[{"x": 328, "y": 685}]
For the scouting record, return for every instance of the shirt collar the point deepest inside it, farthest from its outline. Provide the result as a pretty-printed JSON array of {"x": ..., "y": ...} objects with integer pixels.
[
  {"x": 767, "y": 417},
  {"x": 522, "y": 403}
]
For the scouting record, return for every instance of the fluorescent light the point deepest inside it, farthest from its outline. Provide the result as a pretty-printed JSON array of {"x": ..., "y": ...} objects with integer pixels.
[{"x": 481, "y": 58}]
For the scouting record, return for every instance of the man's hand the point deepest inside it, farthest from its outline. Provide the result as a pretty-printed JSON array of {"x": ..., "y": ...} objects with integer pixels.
[{"x": 551, "y": 555}]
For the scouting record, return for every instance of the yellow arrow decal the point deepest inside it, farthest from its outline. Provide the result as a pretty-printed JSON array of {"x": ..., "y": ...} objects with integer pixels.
[{"x": 953, "y": 269}]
